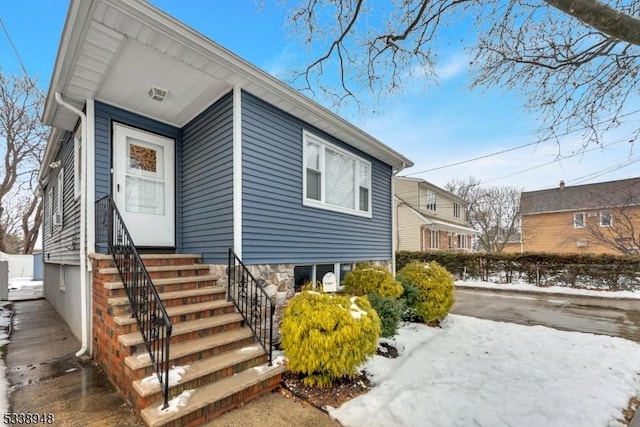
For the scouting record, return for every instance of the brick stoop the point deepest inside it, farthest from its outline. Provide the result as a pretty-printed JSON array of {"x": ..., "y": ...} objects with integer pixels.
[{"x": 217, "y": 364}]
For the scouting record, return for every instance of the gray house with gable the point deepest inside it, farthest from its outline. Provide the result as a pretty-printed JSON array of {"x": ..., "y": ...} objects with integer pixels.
[{"x": 200, "y": 152}]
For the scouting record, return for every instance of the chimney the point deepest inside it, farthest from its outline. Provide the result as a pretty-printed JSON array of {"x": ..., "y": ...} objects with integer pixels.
[{"x": 562, "y": 185}]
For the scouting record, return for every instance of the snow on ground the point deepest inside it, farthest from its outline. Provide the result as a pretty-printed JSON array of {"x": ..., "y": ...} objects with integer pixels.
[
  {"x": 23, "y": 288},
  {"x": 551, "y": 289},
  {"x": 475, "y": 372}
]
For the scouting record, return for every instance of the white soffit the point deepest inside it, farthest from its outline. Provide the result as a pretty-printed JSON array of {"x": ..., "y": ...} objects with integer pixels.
[
  {"x": 139, "y": 67},
  {"x": 130, "y": 46}
]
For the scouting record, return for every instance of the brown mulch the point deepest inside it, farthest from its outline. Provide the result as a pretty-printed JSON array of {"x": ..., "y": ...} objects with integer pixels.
[
  {"x": 335, "y": 395},
  {"x": 339, "y": 392}
]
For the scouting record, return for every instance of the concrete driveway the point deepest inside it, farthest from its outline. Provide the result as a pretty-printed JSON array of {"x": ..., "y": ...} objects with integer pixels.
[{"x": 605, "y": 316}]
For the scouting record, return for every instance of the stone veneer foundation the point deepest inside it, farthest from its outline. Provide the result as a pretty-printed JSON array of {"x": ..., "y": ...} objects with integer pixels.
[{"x": 277, "y": 280}]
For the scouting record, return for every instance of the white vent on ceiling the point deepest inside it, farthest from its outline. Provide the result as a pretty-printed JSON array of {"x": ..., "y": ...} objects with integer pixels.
[{"x": 158, "y": 94}]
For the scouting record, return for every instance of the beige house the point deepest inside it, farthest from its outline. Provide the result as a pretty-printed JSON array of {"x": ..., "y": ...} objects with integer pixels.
[
  {"x": 600, "y": 218},
  {"x": 429, "y": 217}
]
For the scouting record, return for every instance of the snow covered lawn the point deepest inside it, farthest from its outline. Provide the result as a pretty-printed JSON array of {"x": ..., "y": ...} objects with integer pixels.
[
  {"x": 23, "y": 288},
  {"x": 475, "y": 372},
  {"x": 549, "y": 290}
]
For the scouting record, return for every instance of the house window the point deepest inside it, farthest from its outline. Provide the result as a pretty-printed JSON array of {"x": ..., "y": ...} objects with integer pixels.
[
  {"x": 59, "y": 211},
  {"x": 578, "y": 220},
  {"x": 335, "y": 179},
  {"x": 50, "y": 206},
  {"x": 462, "y": 241},
  {"x": 450, "y": 238},
  {"x": 456, "y": 210},
  {"x": 435, "y": 239},
  {"x": 77, "y": 166},
  {"x": 304, "y": 274},
  {"x": 431, "y": 200},
  {"x": 62, "y": 284},
  {"x": 605, "y": 219}
]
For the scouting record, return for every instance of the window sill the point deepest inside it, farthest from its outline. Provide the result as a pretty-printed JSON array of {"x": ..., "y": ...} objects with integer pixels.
[{"x": 319, "y": 205}]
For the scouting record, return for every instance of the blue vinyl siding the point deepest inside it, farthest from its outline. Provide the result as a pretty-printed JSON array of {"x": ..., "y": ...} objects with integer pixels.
[
  {"x": 61, "y": 243},
  {"x": 277, "y": 228},
  {"x": 206, "y": 225}
]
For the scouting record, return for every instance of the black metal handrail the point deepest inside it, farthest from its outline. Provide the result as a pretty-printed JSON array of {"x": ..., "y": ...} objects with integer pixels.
[
  {"x": 146, "y": 306},
  {"x": 252, "y": 301}
]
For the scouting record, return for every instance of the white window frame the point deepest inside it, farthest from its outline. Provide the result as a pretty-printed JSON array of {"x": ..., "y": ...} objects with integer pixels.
[
  {"x": 336, "y": 271},
  {"x": 431, "y": 200},
  {"x": 434, "y": 243},
  {"x": 462, "y": 241},
  {"x": 58, "y": 220},
  {"x": 456, "y": 210},
  {"x": 609, "y": 215},
  {"x": 77, "y": 166},
  {"x": 322, "y": 204},
  {"x": 576, "y": 223},
  {"x": 51, "y": 212}
]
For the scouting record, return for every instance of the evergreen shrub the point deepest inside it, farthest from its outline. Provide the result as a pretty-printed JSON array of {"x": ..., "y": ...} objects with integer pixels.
[
  {"x": 368, "y": 279},
  {"x": 390, "y": 312},
  {"x": 436, "y": 288},
  {"x": 326, "y": 337},
  {"x": 409, "y": 299}
]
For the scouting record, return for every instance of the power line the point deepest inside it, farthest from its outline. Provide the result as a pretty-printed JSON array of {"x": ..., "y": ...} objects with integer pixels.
[
  {"x": 554, "y": 161},
  {"x": 601, "y": 172},
  {"x": 13, "y": 46},
  {"x": 517, "y": 147}
]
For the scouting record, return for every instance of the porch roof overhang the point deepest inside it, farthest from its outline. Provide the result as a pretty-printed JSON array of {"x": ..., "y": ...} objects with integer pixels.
[{"x": 114, "y": 51}]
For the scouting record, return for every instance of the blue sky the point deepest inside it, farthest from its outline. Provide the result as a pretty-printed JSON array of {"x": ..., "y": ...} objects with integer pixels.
[{"x": 434, "y": 125}]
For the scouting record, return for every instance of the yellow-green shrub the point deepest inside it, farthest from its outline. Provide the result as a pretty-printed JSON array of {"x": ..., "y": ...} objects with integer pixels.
[
  {"x": 436, "y": 288},
  {"x": 368, "y": 279},
  {"x": 326, "y": 337}
]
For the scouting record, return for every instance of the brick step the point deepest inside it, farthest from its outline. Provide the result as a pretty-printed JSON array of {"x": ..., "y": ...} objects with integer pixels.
[
  {"x": 180, "y": 313},
  {"x": 199, "y": 373},
  {"x": 191, "y": 329},
  {"x": 116, "y": 288},
  {"x": 150, "y": 260},
  {"x": 162, "y": 271},
  {"x": 120, "y": 305},
  {"x": 206, "y": 402},
  {"x": 186, "y": 352}
]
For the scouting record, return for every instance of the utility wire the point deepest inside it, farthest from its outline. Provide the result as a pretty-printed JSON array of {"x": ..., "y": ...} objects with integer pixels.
[
  {"x": 517, "y": 147},
  {"x": 15, "y": 50},
  {"x": 558, "y": 159},
  {"x": 601, "y": 172}
]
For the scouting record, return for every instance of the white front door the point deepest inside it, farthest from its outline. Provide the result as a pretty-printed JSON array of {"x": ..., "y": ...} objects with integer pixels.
[{"x": 144, "y": 185}]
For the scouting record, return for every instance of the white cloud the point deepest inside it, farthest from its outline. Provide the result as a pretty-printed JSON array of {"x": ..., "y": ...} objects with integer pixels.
[{"x": 453, "y": 67}]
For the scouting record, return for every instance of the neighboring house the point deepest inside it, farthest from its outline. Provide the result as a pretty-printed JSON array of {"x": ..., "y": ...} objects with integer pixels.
[
  {"x": 430, "y": 218},
  {"x": 201, "y": 152},
  {"x": 601, "y": 218},
  {"x": 513, "y": 244}
]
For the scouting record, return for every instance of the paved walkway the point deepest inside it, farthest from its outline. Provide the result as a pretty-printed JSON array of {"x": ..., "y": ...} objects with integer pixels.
[{"x": 46, "y": 377}]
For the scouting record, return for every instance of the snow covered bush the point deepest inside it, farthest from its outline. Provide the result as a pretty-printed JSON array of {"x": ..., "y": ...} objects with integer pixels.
[
  {"x": 436, "y": 289},
  {"x": 326, "y": 337},
  {"x": 366, "y": 279}
]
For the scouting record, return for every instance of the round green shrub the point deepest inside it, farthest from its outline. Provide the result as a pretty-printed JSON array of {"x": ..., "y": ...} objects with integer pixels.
[
  {"x": 410, "y": 299},
  {"x": 436, "y": 288},
  {"x": 326, "y": 337},
  {"x": 368, "y": 279},
  {"x": 390, "y": 311}
]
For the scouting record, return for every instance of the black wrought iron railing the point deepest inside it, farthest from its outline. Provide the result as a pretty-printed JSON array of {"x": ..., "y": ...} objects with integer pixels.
[
  {"x": 252, "y": 301},
  {"x": 146, "y": 306}
]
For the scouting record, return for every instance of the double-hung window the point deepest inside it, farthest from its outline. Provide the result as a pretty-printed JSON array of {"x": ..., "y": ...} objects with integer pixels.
[
  {"x": 605, "y": 219},
  {"x": 456, "y": 210},
  {"x": 578, "y": 220},
  {"x": 334, "y": 178}
]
